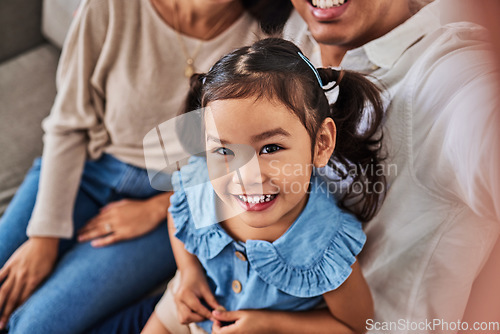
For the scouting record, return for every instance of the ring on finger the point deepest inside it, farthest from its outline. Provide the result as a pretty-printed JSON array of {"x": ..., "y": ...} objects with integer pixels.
[{"x": 108, "y": 228}]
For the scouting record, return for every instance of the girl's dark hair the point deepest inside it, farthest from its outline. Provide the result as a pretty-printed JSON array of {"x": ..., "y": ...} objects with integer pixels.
[
  {"x": 272, "y": 68},
  {"x": 271, "y": 14}
]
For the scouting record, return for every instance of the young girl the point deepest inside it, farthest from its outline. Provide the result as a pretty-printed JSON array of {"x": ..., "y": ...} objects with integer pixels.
[{"x": 264, "y": 238}]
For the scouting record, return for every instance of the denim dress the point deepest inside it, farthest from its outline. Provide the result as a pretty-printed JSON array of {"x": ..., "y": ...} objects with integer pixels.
[{"x": 312, "y": 257}]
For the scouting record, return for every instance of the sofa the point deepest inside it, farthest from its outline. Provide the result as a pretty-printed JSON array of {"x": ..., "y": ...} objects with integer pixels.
[{"x": 31, "y": 36}]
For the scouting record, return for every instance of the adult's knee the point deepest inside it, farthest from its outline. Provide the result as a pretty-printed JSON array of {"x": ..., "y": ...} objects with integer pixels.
[{"x": 40, "y": 319}]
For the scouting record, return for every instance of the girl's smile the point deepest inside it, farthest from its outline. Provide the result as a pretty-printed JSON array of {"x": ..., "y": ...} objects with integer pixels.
[{"x": 256, "y": 202}]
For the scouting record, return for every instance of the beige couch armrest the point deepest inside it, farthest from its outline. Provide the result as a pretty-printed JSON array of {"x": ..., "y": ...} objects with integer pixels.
[{"x": 56, "y": 19}]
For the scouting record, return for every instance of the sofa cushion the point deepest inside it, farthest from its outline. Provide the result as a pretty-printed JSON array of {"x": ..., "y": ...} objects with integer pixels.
[
  {"x": 19, "y": 27},
  {"x": 27, "y": 91},
  {"x": 56, "y": 19}
]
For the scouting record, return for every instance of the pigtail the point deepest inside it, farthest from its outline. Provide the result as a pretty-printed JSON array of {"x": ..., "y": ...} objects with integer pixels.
[
  {"x": 189, "y": 127},
  {"x": 358, "y": 114},
  {"x": 193, "y": 99}
]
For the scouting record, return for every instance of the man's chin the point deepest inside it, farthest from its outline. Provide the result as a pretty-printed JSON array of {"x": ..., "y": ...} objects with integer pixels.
[
  {"x": 334, "y": 34},
  {"x": 326, "y": 35}
]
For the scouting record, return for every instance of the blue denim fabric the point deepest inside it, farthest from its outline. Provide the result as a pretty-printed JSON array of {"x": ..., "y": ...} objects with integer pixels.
[
  {"x": 88, "y": 284},
  {"x": 292, "y": 273},
  {"x": 130, "y": 320}
]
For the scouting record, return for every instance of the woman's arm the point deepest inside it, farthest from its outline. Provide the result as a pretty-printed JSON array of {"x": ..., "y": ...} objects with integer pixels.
[
  {"x": 65, "y": 149},
  {"x": 349, "y": 307},
  {"x": 78, "y": 108}
]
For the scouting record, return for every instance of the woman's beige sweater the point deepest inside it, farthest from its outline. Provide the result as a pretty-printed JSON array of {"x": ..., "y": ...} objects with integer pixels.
[{"x": 121, "y": 74}]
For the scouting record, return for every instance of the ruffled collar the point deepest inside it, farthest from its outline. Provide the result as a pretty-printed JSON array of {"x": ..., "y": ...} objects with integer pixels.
[{"x": 201, "y": 200}]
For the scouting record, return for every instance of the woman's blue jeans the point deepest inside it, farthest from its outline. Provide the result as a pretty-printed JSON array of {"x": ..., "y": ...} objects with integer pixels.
[{"x": 88, "y": 284}]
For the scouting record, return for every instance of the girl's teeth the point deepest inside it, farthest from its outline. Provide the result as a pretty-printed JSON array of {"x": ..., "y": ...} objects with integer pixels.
[{"x": 256, "y": 199}]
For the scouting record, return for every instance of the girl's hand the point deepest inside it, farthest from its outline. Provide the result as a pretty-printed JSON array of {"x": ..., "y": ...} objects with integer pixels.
[
  {"x": 241, "y": 322},
  {"x": 192, "y": 290},
  {"x": 30, "y": 264},
  {"x": 266, "y": 321},
  {"x": 125, "y": 219}
]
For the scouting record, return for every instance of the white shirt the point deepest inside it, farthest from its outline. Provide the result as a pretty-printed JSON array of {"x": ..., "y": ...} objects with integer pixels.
[{"x": 441, "y": 215}]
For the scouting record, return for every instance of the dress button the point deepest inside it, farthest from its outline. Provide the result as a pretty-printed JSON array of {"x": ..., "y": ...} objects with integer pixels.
[
  {"x": 236, "y": 286},
  {"x": 240, "y": 256}
]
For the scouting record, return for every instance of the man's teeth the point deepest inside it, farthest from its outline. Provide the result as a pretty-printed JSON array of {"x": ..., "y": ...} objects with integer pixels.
[
  {"x": 327, "y": 3},
  {"x": 256, "y": 199}
]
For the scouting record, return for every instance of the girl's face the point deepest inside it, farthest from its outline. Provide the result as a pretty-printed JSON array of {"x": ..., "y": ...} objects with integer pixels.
[{"x": 265, "y": 153}]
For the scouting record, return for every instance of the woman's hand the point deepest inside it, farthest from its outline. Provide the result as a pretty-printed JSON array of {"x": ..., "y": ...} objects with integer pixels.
[
  {"x": 30, "y": 264},
  {"x": 192, "y": 289},
  {"x": 125, "y": 219},
  {"x": 241, "y": 322}
]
